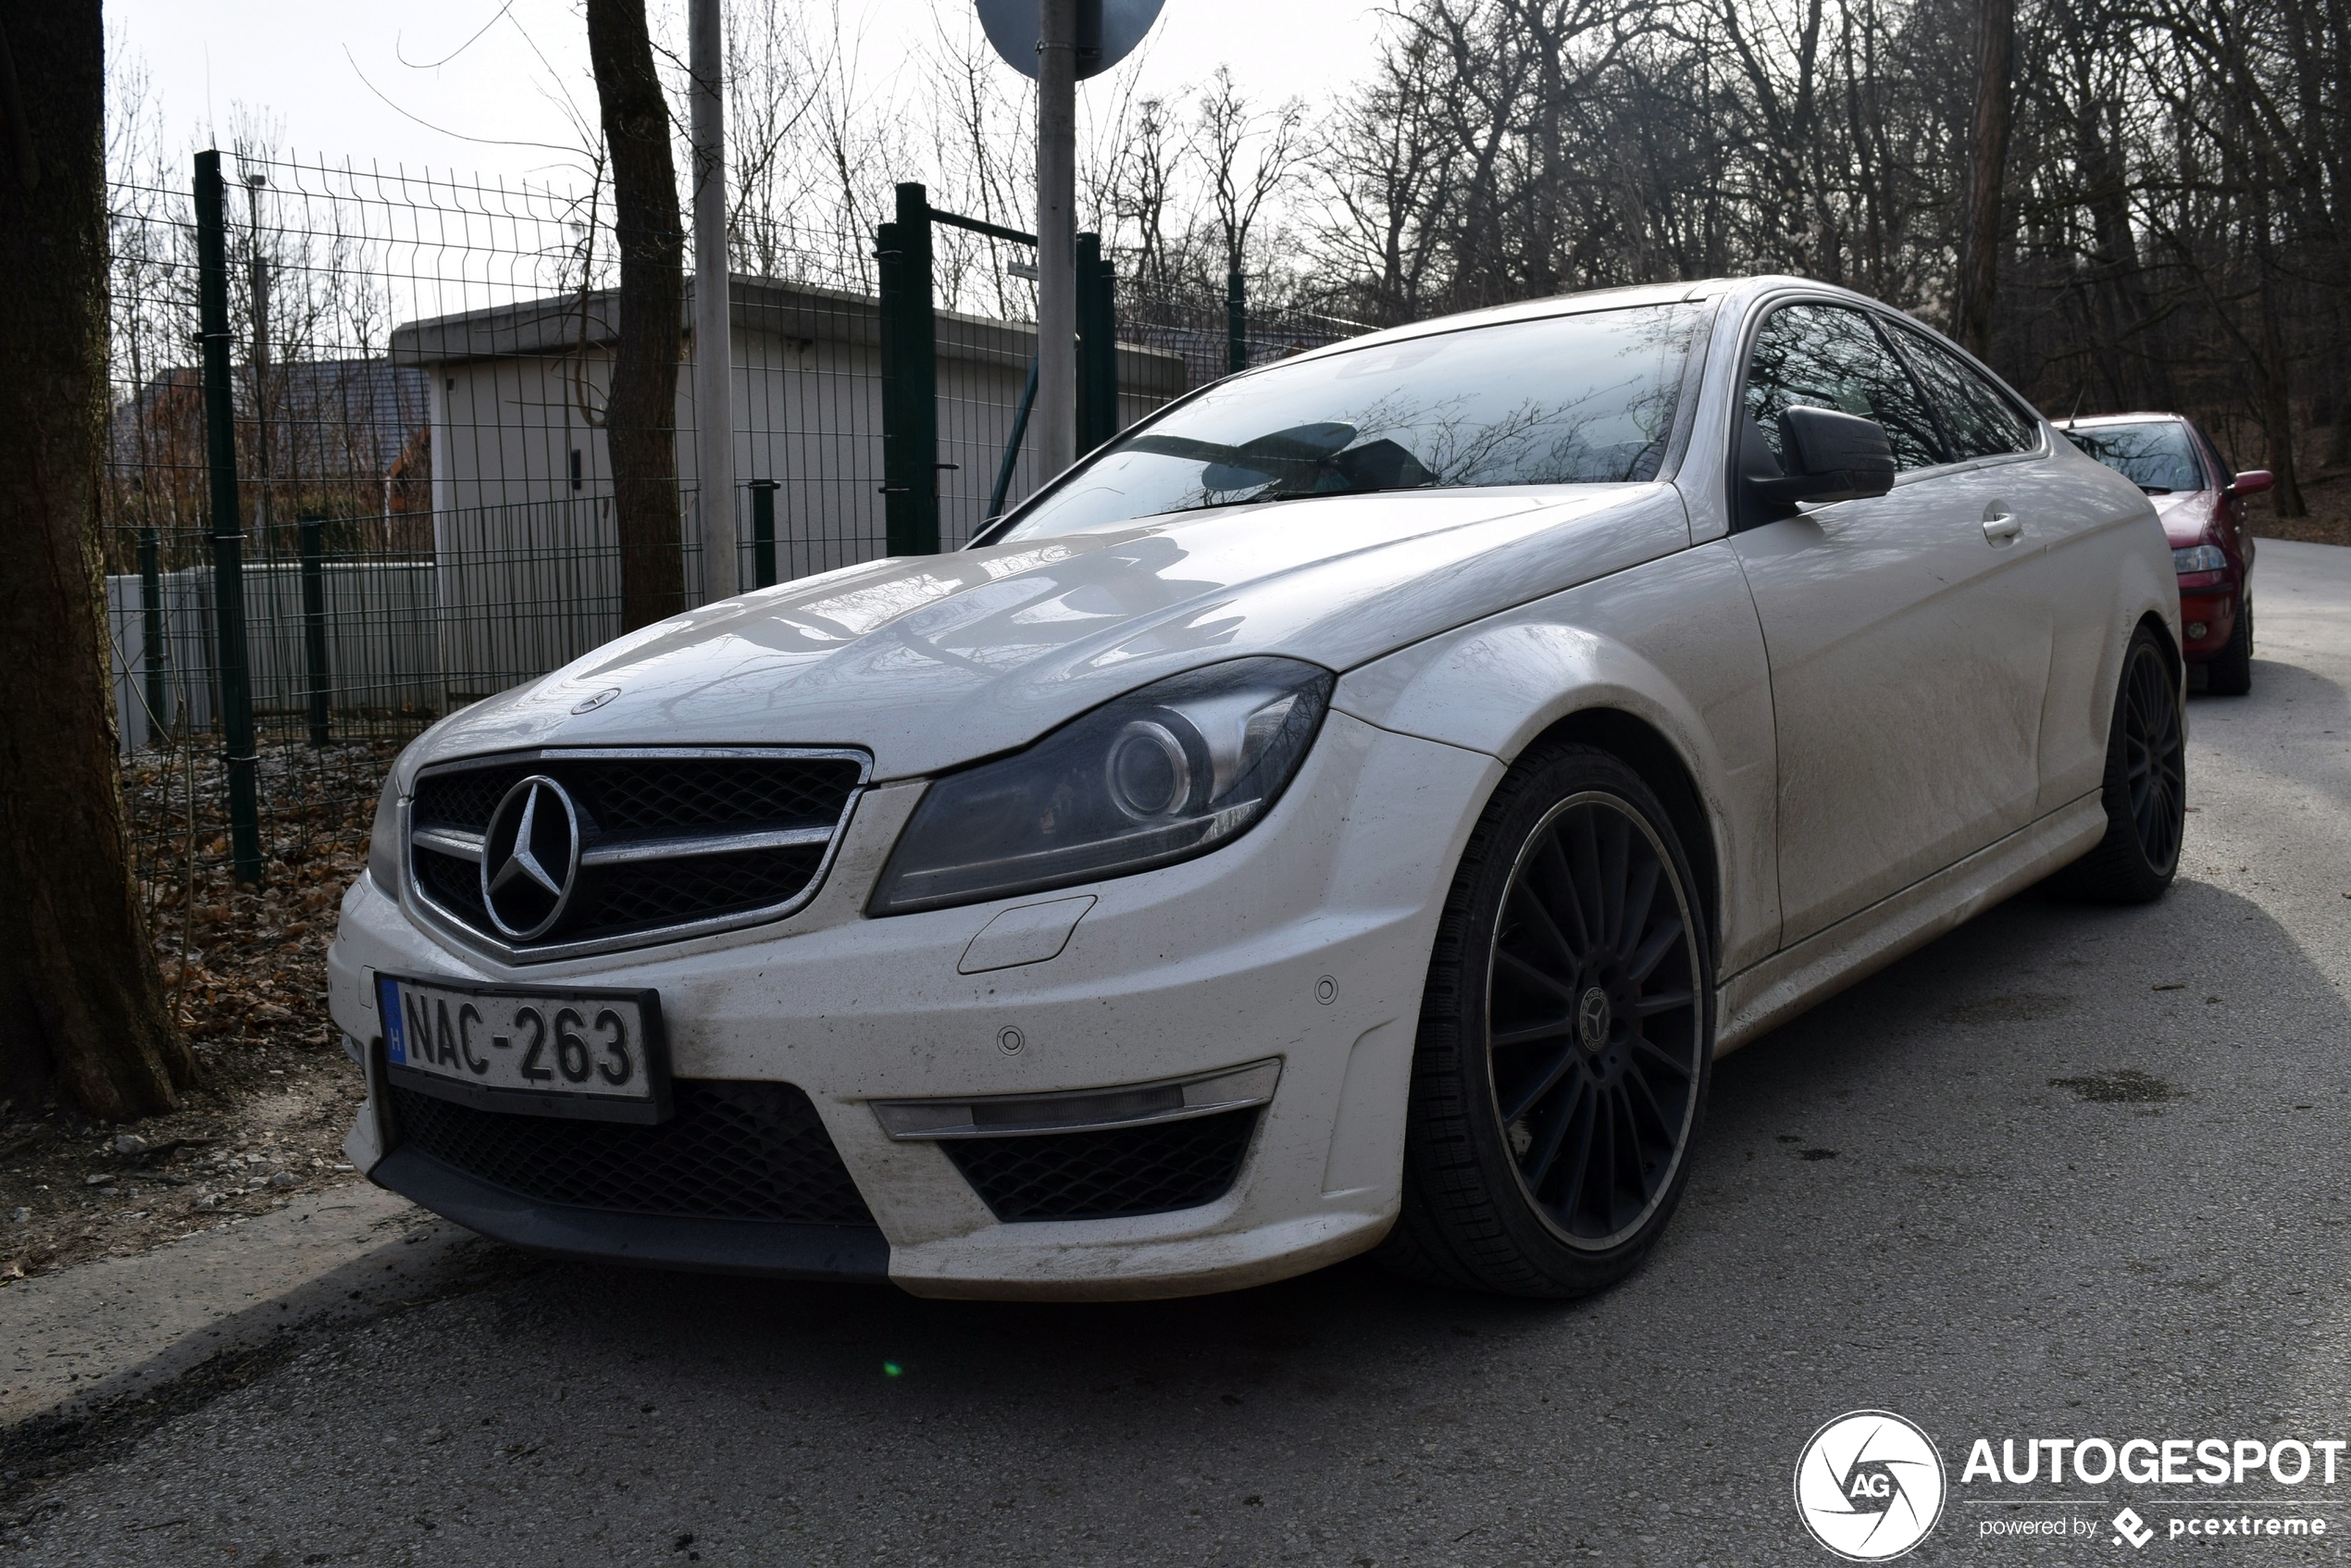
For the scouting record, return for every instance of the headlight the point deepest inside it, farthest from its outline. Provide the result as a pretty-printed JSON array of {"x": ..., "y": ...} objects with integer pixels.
[
  {"x": 2199, "y": 558},
  {"x": 384, "y": 839},
  {"x": 1157, "y": 776}
]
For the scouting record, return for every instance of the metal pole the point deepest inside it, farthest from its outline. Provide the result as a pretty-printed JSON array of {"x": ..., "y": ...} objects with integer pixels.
[
  {"x": 1056, "y": 234},
  {"x": 151, "y": 620},
  {"x": 714, "y": 391},
  {"x": 311, "y": 538},
  {"x": 1236, "y": 324},
  {"x": 228, "y": 538},
  {"x": 763, "y": 533}
]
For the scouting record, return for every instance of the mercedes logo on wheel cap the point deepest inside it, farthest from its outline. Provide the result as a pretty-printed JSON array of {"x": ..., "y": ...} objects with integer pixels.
[
  {"x": 1594, "y": 1018},
  {"x": 530, "y": 858}
]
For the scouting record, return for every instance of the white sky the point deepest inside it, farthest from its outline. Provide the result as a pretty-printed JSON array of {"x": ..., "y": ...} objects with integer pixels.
[{"x": 340, "y": 79}]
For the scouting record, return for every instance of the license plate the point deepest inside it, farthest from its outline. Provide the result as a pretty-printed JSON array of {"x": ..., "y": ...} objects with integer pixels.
[{"x": 593, "y": 1053}]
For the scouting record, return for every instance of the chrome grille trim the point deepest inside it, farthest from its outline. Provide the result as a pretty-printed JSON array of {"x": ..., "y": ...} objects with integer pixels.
[
  {"x": 672, "y": 846},
  {"x": 448, "y": 841},
  {"x": 624, "y": 849}
]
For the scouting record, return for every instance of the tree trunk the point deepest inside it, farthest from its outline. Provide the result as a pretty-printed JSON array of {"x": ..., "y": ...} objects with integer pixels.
[
  {"x": 640, "y": 414},
  {"x": 78, "y": 994},
  {"x": 2277, "y": 402},
  {"x": 1988, "y": 159}
]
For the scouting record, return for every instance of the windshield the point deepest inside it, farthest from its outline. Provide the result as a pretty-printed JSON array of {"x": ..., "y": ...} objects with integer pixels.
[
  {"x": 2156, "y": 456},
  {"x": 1584, "y": 399}
]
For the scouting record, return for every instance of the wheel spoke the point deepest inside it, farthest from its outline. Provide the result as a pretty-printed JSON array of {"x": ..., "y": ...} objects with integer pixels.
[
  {"x": 1533, "y": 976},
  {"x": 1614, "y": 873},
  {"x": 1552, "y": 857},
  {"x": 1640, "y": 1096},
  {"x": 1533, "y": 1034},
  {"x": 1584, "y": 857},
  {"x": 1652, "y": 952},
  {"x": 1554, "y": 1134},
  {"x": 1662, "y": 1002},
  {"x": 1544, "y": 1082},
  {"x": 1640, "y": 897},
  {"x": 1529, "y": 899},
  {"x": 1660, "y": 1056}
]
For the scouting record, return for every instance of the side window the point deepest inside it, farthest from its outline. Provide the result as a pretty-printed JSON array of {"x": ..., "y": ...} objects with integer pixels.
[
  {"x": 1981, "y": 421},
  {"x": 1829, "y": 356}
]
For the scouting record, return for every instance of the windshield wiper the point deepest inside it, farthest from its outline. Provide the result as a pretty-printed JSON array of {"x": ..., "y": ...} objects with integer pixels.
[{"x": 1260, "y": 500}]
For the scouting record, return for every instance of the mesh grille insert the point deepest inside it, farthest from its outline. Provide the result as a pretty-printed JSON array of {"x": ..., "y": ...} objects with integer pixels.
[
  {"x": 736, "y": 1151},
  {"x": 1112, "y": 1173}
]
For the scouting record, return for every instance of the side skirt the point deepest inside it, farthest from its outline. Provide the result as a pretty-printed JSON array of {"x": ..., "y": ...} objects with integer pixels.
[{"x": 1765, "y": 995}]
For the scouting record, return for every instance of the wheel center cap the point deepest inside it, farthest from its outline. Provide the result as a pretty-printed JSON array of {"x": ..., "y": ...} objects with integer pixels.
[{"x": 1594, "y": 1018}]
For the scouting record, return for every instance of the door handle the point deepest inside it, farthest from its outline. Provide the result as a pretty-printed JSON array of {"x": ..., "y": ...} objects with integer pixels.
[{"x": 2001, "y": 526}]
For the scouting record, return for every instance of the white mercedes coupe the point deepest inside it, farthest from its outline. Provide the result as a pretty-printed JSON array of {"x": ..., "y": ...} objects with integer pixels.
[{"x": 1350, "y": 809}]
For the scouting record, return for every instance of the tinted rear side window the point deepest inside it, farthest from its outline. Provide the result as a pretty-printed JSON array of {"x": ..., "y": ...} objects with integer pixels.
[
  {"x": 1981, "y": 421},
  {"x": 1829, "y": 356}
]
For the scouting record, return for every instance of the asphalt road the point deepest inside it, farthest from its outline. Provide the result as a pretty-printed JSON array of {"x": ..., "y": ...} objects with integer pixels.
[{"x": 2070, "y": 1172}]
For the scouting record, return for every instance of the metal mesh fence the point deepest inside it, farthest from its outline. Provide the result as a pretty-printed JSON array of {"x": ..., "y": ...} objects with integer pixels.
[{"x": 420, "y": 366}]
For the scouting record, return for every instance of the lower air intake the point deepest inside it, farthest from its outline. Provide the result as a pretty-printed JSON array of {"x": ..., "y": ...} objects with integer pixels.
[
  {"x": 735, "y": 1151},
  {"x": 1116, "y": 1172}
]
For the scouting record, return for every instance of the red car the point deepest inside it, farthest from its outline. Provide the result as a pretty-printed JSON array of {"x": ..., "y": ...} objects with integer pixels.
[{"x": 2202, "y": 505}]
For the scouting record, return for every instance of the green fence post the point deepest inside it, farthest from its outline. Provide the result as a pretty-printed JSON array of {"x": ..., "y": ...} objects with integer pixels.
[
  {"x": 228, "y": 538},
  {"x": 151, "y": 623},
  {"x": 763, "y": 533},
  {"x": 1236, "y": 324},
  {"x": 1097, "y": 347},
  {"x": 311, "y": 537},
  {"x": 909, "y": 379}
]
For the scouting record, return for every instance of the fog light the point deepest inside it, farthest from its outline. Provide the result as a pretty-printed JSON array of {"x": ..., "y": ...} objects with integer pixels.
[{"x": 2196, "y": 630}]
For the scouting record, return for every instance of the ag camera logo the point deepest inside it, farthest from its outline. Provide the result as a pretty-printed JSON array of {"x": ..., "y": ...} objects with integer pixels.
[{"x": 1870, "y": 1485}]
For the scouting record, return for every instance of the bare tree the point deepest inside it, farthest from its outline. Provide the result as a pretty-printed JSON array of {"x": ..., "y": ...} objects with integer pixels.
[
  {"x": 1988, "y": 171},
  {"x": 78, "y": 994},
  {"x": 1249, "y": 155},
  {"x": 640, "y": 410}
]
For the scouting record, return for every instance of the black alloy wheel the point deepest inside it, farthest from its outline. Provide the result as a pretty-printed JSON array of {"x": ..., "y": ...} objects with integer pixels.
[
  {"x": 2145, "y": 792},
  {"x": 1566, "y": 1042},
  {"x": 1590, "y": 1021}
]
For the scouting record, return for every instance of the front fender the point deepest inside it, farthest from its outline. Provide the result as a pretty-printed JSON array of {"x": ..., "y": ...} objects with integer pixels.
[{"x": 1676, "y": 645}]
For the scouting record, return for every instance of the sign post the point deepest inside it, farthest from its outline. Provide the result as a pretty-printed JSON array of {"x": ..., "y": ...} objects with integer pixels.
[
  {"x": 1060, "y": 42},
  {"x": 713, "y": 390}
]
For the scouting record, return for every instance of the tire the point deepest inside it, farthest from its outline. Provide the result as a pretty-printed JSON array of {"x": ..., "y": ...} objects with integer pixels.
[
  {"x": 1549, "y": 1163},
  {"x": 2145, "y": 791},
  {"x": 2231, "y": 674}
]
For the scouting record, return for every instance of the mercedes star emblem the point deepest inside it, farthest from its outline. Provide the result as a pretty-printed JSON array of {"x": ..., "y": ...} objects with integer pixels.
[{"x": 530, "y": 858}]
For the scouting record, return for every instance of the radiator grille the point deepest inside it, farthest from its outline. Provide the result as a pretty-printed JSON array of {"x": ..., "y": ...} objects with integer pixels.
[
  {"x": 689, "y": 805},
  {"x": 738, "y": 1150}
]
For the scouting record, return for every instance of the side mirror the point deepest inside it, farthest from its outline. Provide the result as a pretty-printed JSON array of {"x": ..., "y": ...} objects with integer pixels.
[
  {"x": 2253, "y": 481},
  {"x": 1826, "y": 455}
]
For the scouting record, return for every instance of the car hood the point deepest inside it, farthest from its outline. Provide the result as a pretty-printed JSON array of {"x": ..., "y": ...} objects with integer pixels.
[
  {"x": 932, "y": 661},
  {"x": 2184, "y": 514}
]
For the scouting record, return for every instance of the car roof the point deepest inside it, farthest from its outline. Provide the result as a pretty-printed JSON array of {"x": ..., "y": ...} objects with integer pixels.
[
  {"x": 1582, "y": 300},
  {"x": 2093, "y": 421}
]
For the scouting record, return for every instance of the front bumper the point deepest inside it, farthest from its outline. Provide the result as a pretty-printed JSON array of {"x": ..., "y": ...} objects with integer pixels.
[
  {"x": 2209, "y": 599},
  {"x": 1305, "y": 942}
]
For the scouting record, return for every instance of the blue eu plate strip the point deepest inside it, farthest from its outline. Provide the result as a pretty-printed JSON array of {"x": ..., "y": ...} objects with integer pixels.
[{"x": 388, "y": 1008}]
